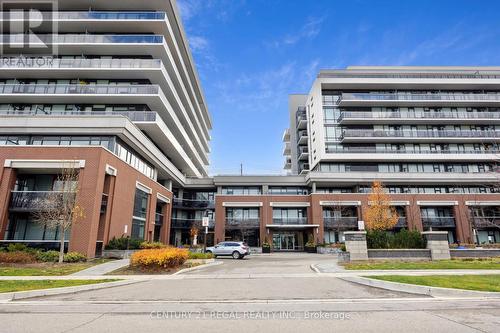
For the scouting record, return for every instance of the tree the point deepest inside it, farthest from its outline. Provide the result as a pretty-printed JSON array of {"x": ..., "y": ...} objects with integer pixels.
[
  {"x": 380, "y": 215},
  {"x": 59, "y": 209}
]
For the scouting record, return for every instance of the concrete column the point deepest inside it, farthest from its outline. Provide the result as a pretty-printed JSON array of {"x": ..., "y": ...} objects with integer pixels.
[
  {"x": 265, "y": 189},
  {"x": 355, "y": 243},
  {"x": 437, "y": 242},
  {"x": 313, "y": 187}
]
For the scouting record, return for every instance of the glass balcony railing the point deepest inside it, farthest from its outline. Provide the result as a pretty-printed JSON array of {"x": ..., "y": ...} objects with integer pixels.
[
  {"x": 341, "y": 222},
  {"x": 79, "y": 89},
  {"x": 132, "y": 115},
  {"x": 48, "y": 39},
  {"x": 195, "y": 204},
  {"x": 290, "y": 220},
  {"x": 419, "y": 97},
  {"x": 33, "y": 200},
  {"x": 242, "y": 223},
  {"x": 97, "y": 15},
  {"x": 23, "y": 62},
  {"x": 420, "y": 134},
  {"x": 418, "y": 115},
  {"x": 401, "y": 223},
  {"x": 406, "y": 151},
  {"x": 159, "y": 219},
  {"x": 438, "y": 222}
]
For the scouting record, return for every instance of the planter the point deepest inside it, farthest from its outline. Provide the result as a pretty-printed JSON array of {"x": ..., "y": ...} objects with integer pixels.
[
  {"x": 117, "y": 254},
  {"x": 310, "y": 249},
  {"x": 266, "y": 249}
]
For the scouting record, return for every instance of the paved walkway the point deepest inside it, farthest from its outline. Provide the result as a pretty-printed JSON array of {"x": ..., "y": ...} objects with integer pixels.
[{"x": 103, "y": 269}]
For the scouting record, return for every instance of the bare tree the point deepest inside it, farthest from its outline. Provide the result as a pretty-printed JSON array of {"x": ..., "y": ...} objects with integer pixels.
[{"x": 59, "y": 210}]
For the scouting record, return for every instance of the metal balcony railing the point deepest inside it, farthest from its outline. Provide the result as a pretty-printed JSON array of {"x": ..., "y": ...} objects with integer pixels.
[
  {"x": 79, "y": 89},
  {"x": 182, "y": 223},
  {"x": 303, "y": 150},
  {"x": 419, "y": 97},
  {"x": 341, "y": 222},
  {"x": 419, "y": 115},
  {"x": 443, "y": 222},
  {"x": 27, "y": 62},
  {"x": 96, "y": 15},
  {"x": 196, "y": 204},
  {"x": 132, "y": 115},
  {"x": 242, "y": 223},
  {"x": 48, "y": 39},
  {"x": 104, "y": 203},
  {"x": 486, "y": 221},
  {"x": 420, "y": 134},
  {"x": 34, "y": 200},
  {"x": 290, "y": 220},
  {"x": 407, "y": 151}
]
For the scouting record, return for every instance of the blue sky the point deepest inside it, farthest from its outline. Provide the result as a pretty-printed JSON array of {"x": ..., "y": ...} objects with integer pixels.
[{"x": 252, "y": 54}]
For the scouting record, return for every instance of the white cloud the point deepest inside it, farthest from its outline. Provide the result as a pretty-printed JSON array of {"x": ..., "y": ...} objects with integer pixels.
[
  {"x": 198, "y": 43},
  {"x": 310, "y": 29}
]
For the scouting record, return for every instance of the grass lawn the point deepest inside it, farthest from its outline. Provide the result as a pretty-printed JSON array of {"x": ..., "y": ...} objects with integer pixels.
[
  {"x": 46, "y": 269},
  {"x": 487, "y": 263},
  {"x": 468, "y": 282},
  {"x": 19, "y": 285}
]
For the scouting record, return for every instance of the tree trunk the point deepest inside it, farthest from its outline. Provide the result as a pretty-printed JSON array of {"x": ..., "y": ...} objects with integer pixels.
[{"x": 61, "y": 246}]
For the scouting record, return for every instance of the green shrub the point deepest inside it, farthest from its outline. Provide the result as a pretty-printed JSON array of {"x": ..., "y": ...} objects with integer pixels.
[
  {"x": 74, "y": 257},
  {"x": 404, "y": 239},
  {"x": 152, "y": 245},
  {"x": 47, "y": 256},
  {"x": 169, "y": 257},
  {"x": 123, "y": 243},
  {"x": 17, "y": 247},
  {"x": 199, "y": 255},
  {"x": 17, "y": 257},
  {"x": 342, "y": 247}
]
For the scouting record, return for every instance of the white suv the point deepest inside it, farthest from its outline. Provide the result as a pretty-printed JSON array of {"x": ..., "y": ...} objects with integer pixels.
[{"x": 237, "y": 250}]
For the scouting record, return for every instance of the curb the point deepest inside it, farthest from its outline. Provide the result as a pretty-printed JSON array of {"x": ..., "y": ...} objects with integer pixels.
[
  {"x": 12, "y": 296},
  {"x": 419, "y": 290},
  {"x": 185, "y": 270}
]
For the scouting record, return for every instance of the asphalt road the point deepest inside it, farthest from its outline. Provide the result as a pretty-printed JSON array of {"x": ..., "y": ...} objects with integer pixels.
[{"x": 283, "y": 302}]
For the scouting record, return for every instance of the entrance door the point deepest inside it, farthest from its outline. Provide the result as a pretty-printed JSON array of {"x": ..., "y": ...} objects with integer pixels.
[{"x": 284, "y": 242}]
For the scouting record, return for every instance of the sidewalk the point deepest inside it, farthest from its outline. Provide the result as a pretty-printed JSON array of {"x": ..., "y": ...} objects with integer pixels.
[{"x": 102, "y": 269}]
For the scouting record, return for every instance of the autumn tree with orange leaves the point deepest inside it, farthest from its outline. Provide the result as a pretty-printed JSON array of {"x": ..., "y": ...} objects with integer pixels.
[{"x": 380, "y": 215}]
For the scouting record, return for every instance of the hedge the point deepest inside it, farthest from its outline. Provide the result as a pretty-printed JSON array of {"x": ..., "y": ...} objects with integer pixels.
[{"x": 169, "y": 257}]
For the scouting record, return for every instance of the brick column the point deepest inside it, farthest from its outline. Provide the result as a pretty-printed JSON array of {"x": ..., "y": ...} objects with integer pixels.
[
  {"x": 462, "y": 223},
  {"x": 414, "y": 217},
  {"x": 109, "y": 208},
  {"x": 220, "y": 220},
  {"x": 7, "y": 181}
]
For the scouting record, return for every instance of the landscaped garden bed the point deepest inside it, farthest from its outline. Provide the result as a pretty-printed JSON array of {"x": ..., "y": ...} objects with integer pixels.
[
  {"x": 467, "y": 282},
  {"x": 481, "y": 263}
]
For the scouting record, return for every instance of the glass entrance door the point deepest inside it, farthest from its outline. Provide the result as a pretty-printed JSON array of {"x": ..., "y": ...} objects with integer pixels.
[{"x": 284, "y": 242}]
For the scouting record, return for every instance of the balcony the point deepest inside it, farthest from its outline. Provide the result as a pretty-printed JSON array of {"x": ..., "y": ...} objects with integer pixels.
[
  {"x": 347, "y": 118},
  {"x": 341, "y": 223},
  {"x": 78, "y": 89},
  {"x": 483, "y": 222},
  {"x": 29, "y": 201},
  {"x": 290, "y": 221},
  {"x": 288, "y": 163},
  {"x": 402, "y": 223},
  {"x": 304, "y": 168},
  {"x": 352, "y": 135},
  {"x": 193, "y": 204},
  {"x": 303, "y": 153},
  {"x": 408, "y": 151},
  {"x": 408, "y": 99},
  {"x": 95, "y": 63},
  {"x": 286, "y": 136},
  {"x": 301, "y": 120},
  {"x": 96, "y": 15},
  {"x": 104, "y": 203},
  {"x": 302, "y": 137},
  {"x": 242, "y": 223},
  {"x": 70, "y": 39},
  {"x": 182, "y": 223},
  {"x": 287, "y": 151},
  {"x": 438, "y": 222}
]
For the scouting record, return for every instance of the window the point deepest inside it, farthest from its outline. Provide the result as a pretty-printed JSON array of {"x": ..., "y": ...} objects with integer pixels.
[
  {"x": 242, "y": 190},
  {"x": 139, "y": 214}
]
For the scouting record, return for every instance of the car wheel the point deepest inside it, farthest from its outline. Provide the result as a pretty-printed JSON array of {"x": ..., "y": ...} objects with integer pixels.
[{"x": 236, "y": 255}]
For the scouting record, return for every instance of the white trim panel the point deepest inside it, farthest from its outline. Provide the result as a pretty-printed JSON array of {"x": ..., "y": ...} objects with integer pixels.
[
  {"x": 482, "y": 203},
  {"x": 437, "y": 203},
  {"x": 162, "y": 198},
  {"x": 242, "y": 204},
  {"x": 44, "y": 164},
  {"x": 394, "y": 203},
  {"x": 289, "y": 204},
  {"x": 143, "y": 187},
  {"x": 340, "y": 203}
]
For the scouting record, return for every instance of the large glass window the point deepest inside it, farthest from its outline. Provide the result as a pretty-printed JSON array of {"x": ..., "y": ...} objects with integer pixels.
[
  {"x": 139, "y": 214},
  {"x": 242, "y": 190}
]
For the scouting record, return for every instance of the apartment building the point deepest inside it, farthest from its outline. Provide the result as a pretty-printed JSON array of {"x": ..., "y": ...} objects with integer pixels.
[{"x": 109, "y": 88}]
